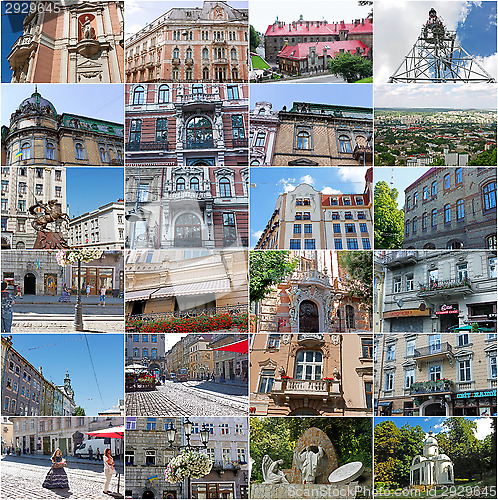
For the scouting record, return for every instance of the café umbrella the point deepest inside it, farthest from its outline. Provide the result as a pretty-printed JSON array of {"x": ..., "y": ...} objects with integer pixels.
[{"x": 116, "y": 433}]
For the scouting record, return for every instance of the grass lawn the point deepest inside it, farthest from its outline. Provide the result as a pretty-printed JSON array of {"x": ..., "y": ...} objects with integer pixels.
[
  {"x": 258, "y": 63},
  {"x": 366, "y": 80}
]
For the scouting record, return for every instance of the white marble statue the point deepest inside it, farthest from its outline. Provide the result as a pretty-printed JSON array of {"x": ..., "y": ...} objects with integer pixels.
[
  {"x": 307, "y": 462},
  {"x": 271, "y": 474},
  {"x": 86, "y": 28}
]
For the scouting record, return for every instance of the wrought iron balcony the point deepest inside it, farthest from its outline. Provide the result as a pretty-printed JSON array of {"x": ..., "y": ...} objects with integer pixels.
[
  {"x": 207, "y": 144},
  {"x": 237, "y": 143},
  {"x": 198, "y": 97},
  {"x": 147, "y": 146},
  {"x": 175, "y": 61},
  {"x": 189, "y": 61},
  {"x": 432, "y": 386},
  {"x": 226, "y": 465},
  {"x": 434, "y": 350},
  {"x": 447, "y": 287},
  {"x": 220, "y": 60}
]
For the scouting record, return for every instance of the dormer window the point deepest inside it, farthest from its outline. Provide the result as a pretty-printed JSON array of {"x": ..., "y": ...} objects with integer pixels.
[
  {"x": 346, "y": 201},
  {"x": 334, "y": 201}
]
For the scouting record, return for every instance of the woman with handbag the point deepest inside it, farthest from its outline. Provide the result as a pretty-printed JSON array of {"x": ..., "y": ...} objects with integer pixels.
[
  {"x": 109, "y": 469},
  {"x": 57, "y": 477}
]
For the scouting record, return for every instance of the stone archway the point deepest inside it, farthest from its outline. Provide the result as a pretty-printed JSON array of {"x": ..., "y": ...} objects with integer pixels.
[
  {"x": 309, "y": 319},
  {"x": 433, "y": 408},
  {"x": 148, "y": 494},
  {"x": 29, "y": 284}
]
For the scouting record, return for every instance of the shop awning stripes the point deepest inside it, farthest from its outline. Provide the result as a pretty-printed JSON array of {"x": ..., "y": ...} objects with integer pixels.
[{"x": 215, "y": 286}]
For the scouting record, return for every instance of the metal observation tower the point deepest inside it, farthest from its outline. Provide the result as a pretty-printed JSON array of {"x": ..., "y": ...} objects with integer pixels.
[{"x": 438, "y": 57}]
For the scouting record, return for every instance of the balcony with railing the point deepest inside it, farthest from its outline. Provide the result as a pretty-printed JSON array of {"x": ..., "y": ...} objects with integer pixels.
[
  {"x": 432, "y": 386},
  {"x": 147, "y": 146},
  {"x": 310, "y": 340},
  {"x": 363, "y": 154},
  {"x": 220, "y": 60},
  {"x": 221, "y": 465},
  {"x": 198, "y": 97},
  {"x": 400, "y": 258},
  {"x": 311, "y": 389},
  {"x": 188, "y": 194},
  {"x": 21, "y": 48},
  {"x": 236, "y": 143},
  {"x": 437, "y": 350},
  {"x": 310, "y": 277},
  {"x": 446, "y": 287},
  {"x": 206, "y": 144}
]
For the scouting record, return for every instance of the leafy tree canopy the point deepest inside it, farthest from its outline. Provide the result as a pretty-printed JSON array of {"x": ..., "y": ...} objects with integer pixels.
[
  {"x": 389, "y": 220},
  {"x": 359, "y": 266},
  {"x": 350, "y": 67}
]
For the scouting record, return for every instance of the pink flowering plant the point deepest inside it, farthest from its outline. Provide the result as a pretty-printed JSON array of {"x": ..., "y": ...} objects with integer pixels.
[
  {"x": 188, "y": 464},
  {"x": 65, "y": 257}
]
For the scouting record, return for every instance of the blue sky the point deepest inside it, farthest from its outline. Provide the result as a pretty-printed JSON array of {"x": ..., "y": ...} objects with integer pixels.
[
  {"x": 61, "y": 352},
  {"x": 437, "y": 424},
  {"x": 477, "y": 33},
  {"x": 270, "y": 182},
  {"x": 73, "y": 98},
  {"x": 11, "y": 30},
  {"x": 91, "y": 187},
  {"x": 284, "y": 94}
]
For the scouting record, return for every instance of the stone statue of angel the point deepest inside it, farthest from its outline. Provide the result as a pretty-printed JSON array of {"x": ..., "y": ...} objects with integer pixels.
[
  {"x": 271, "y": 474},
  {"x": 307, "y": 462}
]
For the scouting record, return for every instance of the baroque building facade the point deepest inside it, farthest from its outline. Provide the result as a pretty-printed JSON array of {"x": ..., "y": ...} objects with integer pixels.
[
  {"x": 312, "y": 134},
  {"x": 263, "y": 125},
  {"x": 186, "y": 124},
  {"x": 22, "y": 187},
  {"x": 310, "y": 374},
  {"x": 436, "y": 374},
  {"x": 451, "y": 208},
  {"x": 39, "y": 136},
  {"x": 189, "y": 207},
  {"x": 148, "y": 350},
  {"x": 196, "y": 44},
  {"x": 70, "y": 42},
  {"x": 437, "y": 291}
]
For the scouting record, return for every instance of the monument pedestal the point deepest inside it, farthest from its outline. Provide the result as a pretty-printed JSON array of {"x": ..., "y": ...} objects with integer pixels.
[
  {"x": 282, "y": 490},
  {"x": 49, "y": 241}
]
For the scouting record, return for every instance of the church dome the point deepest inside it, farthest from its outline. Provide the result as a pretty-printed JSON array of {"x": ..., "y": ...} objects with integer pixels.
[
  {"x": 37, "y": 103},
  {"x": 430, "y": 440},
  {"x": 443, "y": 457}
]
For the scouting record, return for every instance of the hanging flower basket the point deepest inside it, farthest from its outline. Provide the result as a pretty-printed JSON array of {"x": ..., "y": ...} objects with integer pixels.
[
  {"x": 65, "y": 257},
  {"x": 189, "y": 464}
]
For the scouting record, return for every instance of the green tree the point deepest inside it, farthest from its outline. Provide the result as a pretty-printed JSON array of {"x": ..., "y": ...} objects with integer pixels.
[
  {"x": 485, "y": 158},
  {"x": 254, "y": 39},
  {"x": 350, "y": 67},
  {"x": 387, "y": 441},
  {"x": 438, "y": 162},
  {"x": 358, "y": 264},
  {"x": 268, "y": 268},
  {"x": 79, "y": 411},
  {"x": 389, "y": 220}
]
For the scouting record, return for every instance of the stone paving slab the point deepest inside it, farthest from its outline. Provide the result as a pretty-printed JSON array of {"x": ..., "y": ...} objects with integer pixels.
[{"x": 107, "y": 325}]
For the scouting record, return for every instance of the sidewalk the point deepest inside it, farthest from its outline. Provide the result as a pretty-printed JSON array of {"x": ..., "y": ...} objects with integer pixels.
[
  {"x": 54, "y": 299},
  {"x": 47, "y": 458}
]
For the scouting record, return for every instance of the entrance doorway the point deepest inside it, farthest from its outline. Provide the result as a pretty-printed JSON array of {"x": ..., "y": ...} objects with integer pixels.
[
  {"x": 50, "y": 284},
  {"x": 148, "y": 494},
  {"x": 308, "y": 317},
  {"x": 30, "y": 284},
  {"x": 435, "y": 410}
]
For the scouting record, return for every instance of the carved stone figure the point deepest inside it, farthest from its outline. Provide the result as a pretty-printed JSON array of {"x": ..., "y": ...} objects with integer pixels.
[
  {"x": 51, "y": 212},
  {"x": 271, "y": 474},
  {"x": 87, "y": 31},
  {"x": 308, "y": 461}
]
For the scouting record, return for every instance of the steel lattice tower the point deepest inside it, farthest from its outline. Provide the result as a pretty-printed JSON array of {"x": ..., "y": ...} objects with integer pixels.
[{"x": 438, "y": 57}]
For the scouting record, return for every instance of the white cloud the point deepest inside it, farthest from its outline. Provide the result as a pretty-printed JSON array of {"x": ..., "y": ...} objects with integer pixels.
[
  {"x": 483, "y": 428},
  {"x": 287, "y": 184},
  {"x": 329, "y": 190},
  {"x": 355, "y": 175},
  {"x": 441, "y": 428},
  {"x": 307, "y": 179},
  {"x": 256, "y": 234}
]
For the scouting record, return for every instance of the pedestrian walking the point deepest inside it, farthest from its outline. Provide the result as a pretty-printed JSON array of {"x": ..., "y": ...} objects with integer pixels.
[
  {"x": 19, "y": 294},
  {"x": 109, "y": 469},
  {"x": 88, "y": 290},
  {"x": 65, "y": 296},
  {"x": 103, "y": 291},
  {"x": 98, "y": 455},
  {"x": 90, "y": 453},
  {"x": 56, "y": 476},
  {"x": 7, "y": 304}
]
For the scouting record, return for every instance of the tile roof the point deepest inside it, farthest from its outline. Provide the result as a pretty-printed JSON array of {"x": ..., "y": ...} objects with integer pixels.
[
  {"x": 301, "y": 50},
  {"x": 318, "y": 28}
]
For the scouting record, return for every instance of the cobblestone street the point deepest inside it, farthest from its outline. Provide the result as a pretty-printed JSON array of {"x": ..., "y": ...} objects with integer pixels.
[
  {"x": 22, "y": 478},
  {"x": 189, "y": 398}
]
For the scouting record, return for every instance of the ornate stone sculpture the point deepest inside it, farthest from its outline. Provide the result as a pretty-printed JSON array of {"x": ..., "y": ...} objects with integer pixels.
[
  {"x": 50, "y": 212},
  {"x": 271, "y": 474},
  {"x": 86, "y": 29},
  {"x": 308, "y": 461}
]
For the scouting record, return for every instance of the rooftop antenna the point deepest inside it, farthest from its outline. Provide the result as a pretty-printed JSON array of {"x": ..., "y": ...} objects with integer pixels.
[{"x": 438, "y": 57}]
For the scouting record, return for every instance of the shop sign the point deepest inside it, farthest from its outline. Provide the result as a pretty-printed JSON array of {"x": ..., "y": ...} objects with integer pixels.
[
  {"x": 447, "y": 310},
  {"x": 404, "y": 313},
  {"x": 476, "y": 394}
]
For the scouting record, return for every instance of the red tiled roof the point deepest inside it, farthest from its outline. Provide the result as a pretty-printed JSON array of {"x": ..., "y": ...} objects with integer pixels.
[
  {"x": 318, "y": 28},
  {"x": 301, "y": 50}
]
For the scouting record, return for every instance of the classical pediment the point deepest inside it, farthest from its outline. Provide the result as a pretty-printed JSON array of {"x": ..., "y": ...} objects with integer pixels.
[{"x": 303, "y": 162}]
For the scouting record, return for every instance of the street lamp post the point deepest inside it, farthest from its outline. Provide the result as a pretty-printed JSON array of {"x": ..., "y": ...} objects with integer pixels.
[
  {"x": 339, "y": 296},
  {"x": 78, "y": 316}
]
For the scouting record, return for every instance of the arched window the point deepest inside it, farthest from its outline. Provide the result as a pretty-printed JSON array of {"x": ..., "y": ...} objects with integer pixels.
[
  {"x": 344, "y": 144},
  {"x": 424, "y": 221},
  {"x": 308, "y": 365},
  {"x": 187, "y": 231},
  {"x": 50, "y": 151},
  {"x": 489, "y": 196},
  {"x": 188, "y": 53},
  {"x": 434, "y": 217},
  {"x": 205, "y": 74},
  {"x": 138, "y": 95},
  {"x": 225, "y": 188},
  {"x": 308, "y": 317},
  {"x": 235, "y": 74},
  {"x": 350, "y": 323},
  {"x": 460, "y": 210},
  {"x": 233, "y": 55},
  {"x": 491, "y": 242},
  {"x": 414, "y": 225},
  {"x": 205, "y": 53},
  {"x": 199, "y": 133},
  {"x": 194, "y": 184},
  {"x": 135, "y": 130},
  {"x": 175, "y": 73},
  {"x": 303, "y": 140},
  {"x": 447, "y": 213},
  {"x": 176, "y": 53},
  {"x": 446, "y": 181},
  {"x": 180, "y": 184},
  {"x": 103, "y": 155},
  {"x": 145, "y": 352},
  {"x": 434, "y": 188},
  {"x": 26, "y": 151},
  {"x": 163, "y": 95},
  {"x": 80, "y": 153}
]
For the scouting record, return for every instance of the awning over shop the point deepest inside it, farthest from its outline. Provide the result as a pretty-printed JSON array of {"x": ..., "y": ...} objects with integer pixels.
[
  {"x": 139, "y": 294},
  {"x": 385, "y": 403},
  {"x": 242, "y": 346},
  {"x": 215, "y": 286}
]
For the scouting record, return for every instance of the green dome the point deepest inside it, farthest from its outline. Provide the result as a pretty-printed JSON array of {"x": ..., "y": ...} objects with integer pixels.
[{"x": 38, "y": 101}]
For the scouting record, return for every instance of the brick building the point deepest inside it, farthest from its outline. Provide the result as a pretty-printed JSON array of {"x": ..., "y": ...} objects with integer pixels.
[
  {"x": 39, "y": 136},
  {"x": 194, "y": 44},
  {"x": 187, "y": 124},
  {"x": 451, "y": 208},
  {"x": 21, "y": 187},
  {"x": 309, "y": 374},
  {"x": 263, "y": 125},
  {"x": 70, "y": 42},
  {"x": 437, "y": 374},
  {"x": 279, "y": 34},
  {"x": 187, "y": 207},
  {"x": 323, "y": 134}
]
